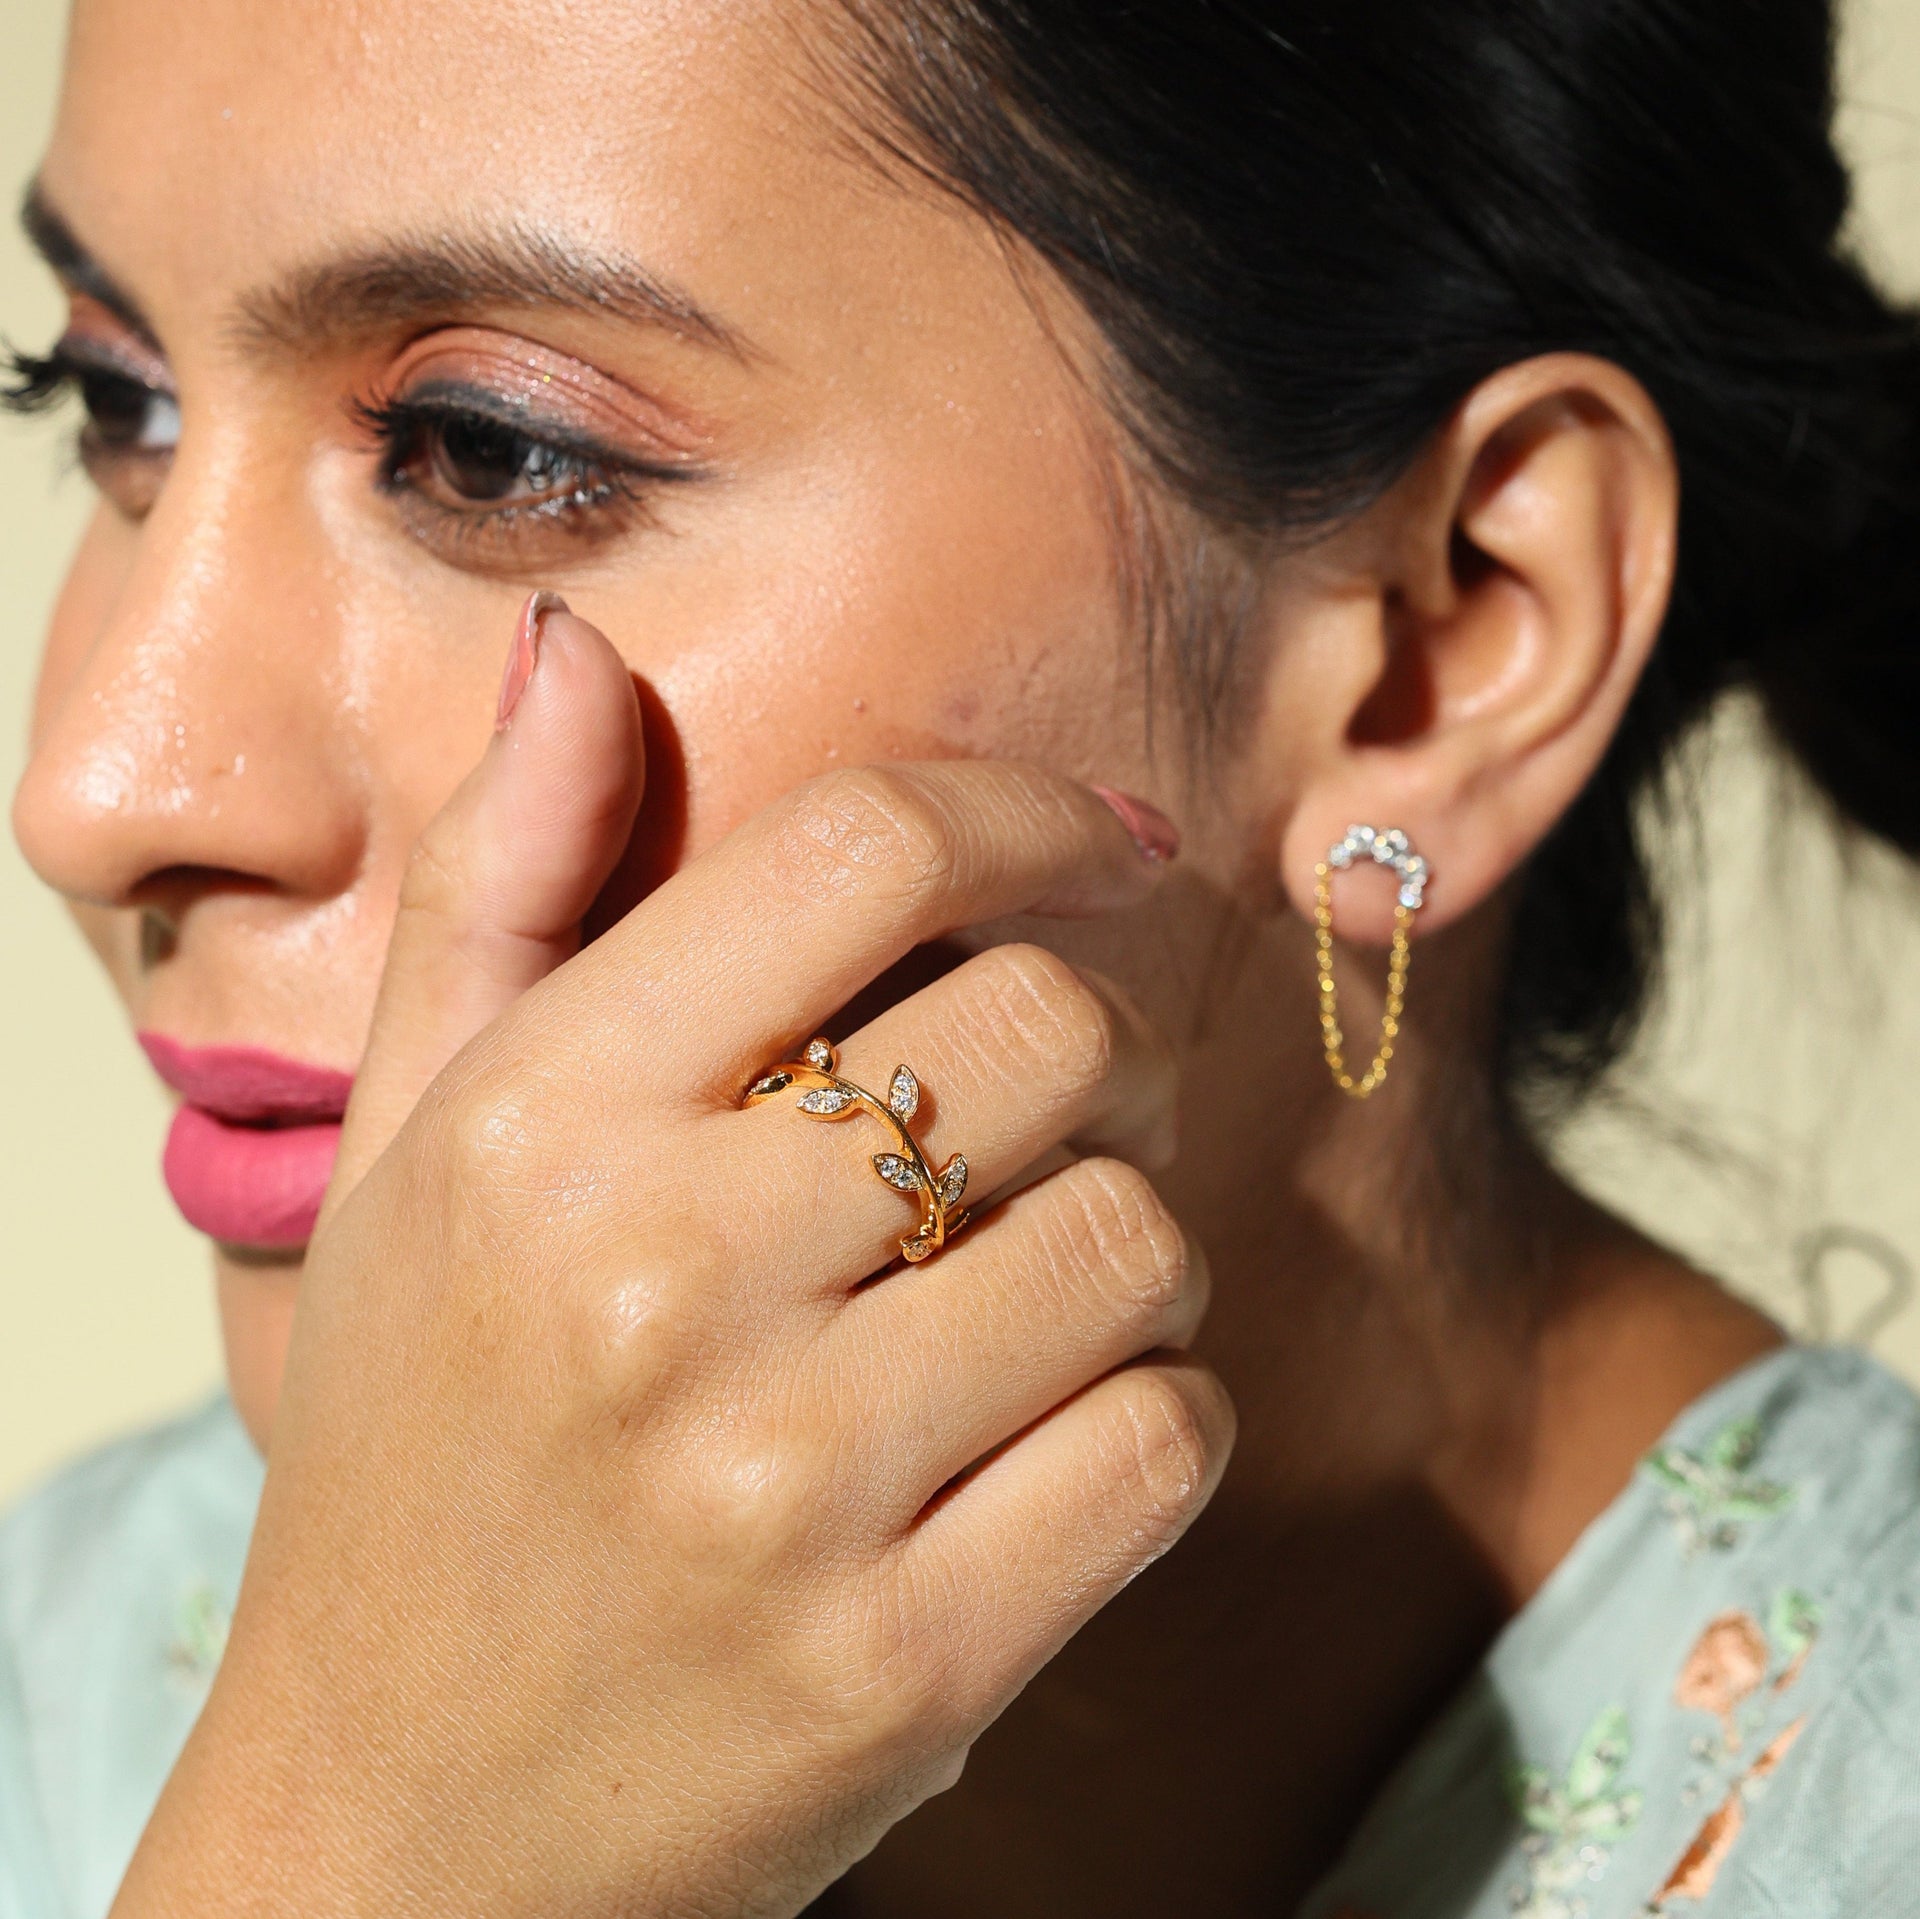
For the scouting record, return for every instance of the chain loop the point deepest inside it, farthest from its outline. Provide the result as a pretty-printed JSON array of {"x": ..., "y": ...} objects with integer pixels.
[{"x": 1398, "y": 959}]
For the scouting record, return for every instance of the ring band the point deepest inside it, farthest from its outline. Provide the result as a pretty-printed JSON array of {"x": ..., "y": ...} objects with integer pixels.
[{"x": 827, "y": 1096}]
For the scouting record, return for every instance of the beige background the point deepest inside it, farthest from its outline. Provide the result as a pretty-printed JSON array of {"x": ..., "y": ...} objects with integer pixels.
[{"x": 1770, "y": 1126}]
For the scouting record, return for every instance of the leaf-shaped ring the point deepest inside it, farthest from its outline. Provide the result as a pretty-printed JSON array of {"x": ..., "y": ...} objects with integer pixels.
[{"x": 827, "y": 1096}]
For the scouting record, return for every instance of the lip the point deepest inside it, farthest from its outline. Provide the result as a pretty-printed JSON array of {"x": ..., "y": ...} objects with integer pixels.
[{"x": 251, "y": 1149}]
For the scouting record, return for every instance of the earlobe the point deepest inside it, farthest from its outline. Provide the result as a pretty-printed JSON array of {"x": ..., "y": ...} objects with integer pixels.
[{"x": 1520, "y": 579}]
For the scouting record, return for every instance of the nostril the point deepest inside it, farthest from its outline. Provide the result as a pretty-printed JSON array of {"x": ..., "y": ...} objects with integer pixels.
[
  {"x": 158, "y": 938},
  {"x": 164, "y": 895}
]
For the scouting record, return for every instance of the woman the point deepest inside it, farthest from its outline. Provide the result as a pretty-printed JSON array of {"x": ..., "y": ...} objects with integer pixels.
[{"x": 949, "y": 426}]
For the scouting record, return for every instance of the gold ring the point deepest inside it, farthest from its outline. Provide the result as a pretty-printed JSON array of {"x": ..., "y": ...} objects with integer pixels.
[{"x": 827, "y": 1096}]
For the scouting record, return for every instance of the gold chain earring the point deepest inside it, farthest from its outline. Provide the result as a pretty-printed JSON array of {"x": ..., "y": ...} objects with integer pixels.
[{"x": 1390, "y": 848}]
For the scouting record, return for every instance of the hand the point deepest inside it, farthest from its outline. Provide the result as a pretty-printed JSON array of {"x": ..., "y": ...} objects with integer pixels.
[{"x": 623, "y": 1550}]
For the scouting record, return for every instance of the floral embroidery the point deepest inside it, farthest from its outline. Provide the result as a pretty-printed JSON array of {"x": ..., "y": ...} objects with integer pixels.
[
  {"x": 1574, "y": 1823},
  {"x": 1738, "y": 1672},
  {"x": 1727, "y": 1663},
  {"x": 1710, "y": 1494},
  {"x": 200, "y": 1624}
]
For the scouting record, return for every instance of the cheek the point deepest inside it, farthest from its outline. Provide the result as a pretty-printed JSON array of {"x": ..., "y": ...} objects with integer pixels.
[{"x": 894, "y": 609}]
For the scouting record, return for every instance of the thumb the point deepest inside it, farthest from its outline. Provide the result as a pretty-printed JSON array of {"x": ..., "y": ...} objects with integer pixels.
[{"x": 498, "y": 883}]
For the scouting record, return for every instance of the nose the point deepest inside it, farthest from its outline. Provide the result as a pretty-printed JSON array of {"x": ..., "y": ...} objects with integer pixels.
[{"x": 190, "y": 729}]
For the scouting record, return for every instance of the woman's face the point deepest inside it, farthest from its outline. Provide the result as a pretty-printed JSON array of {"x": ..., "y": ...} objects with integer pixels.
[{"x": 393, "y": 313}]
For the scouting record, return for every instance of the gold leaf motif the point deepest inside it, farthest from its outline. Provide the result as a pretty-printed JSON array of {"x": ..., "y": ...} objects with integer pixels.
[
  {"x": 819, "y": 1056},
  {"x": 916, "y": 1249},
  {"x": 952, "y": 1180},
  {"x": 773, "y": 1083},
  {"x": 897, "y": 1172},
  {"x": 903, "y": 1096},
  {"x": 826, "y": 1101}
]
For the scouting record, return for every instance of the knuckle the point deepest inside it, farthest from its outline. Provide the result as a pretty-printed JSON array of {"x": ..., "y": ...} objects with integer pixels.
[
  {"x": 1120, "y": 1232},
  {"x": 866, "y": 830},
  {"x": 1159, "y": 1451},
  {"x": 745, "y": 1498},
  {"x": 1057, "y": 1017},
  {"x": 900, "y": 1681},
  {"x": 621, "y": 1337},
  {"x": 483, "y": 1129}
]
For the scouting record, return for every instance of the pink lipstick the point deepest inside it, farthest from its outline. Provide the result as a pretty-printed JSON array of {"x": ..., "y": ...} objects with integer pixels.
[{"x": 253, "y": 1144}]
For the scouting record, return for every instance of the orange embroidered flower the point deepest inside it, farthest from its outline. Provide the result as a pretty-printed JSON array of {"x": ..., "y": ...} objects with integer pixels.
[{"x": 1728, "y": 1663}]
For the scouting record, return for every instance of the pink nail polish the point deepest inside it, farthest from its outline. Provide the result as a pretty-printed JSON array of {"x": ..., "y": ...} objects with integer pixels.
[
  {"x": 524, "y": 655},
  {"x": 1156, "y": 836}
]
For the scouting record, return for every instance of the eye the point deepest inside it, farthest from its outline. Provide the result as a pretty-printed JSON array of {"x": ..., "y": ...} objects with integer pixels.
[
  {"x": 131, "y": 427},
  {"x": 500, "y": 482},
  {"x": 460, "y": 457},
  {"x": 481, "y": 460},
  {"x": 125, "y": 415}
]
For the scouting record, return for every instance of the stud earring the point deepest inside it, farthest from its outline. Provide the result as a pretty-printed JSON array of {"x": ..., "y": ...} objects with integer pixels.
[{"x": 1389, "y": 848}]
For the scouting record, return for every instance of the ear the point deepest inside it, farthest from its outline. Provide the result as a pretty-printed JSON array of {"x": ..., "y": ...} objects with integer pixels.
[{"x": 1456, "y": 661}]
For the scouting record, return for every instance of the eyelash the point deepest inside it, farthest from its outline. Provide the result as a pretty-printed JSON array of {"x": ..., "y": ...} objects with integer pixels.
[
  {"x": 611, "y": 486},
  {"x": 37, "y": 385},
  {"x": 34, "y": 384}
]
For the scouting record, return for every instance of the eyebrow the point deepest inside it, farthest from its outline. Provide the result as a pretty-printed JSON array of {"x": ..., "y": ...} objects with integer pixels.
[
  {"x": 53, "y": 238},
  {"x": 407, "y": 282}
]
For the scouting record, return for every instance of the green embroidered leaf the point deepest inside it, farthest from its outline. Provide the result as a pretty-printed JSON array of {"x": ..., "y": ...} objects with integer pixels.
[
  {"x": 1599, "y": 1756},
  {"x": 1673, "y": 1469},
  {"x": 1574, "y": 1824},
  {"x": 1735, "y": 1446},
  {"x": 1605, "y": 1821},
  {"x": 202, "y": 1624},
  {"x": 1793, "y": 1623},
  {"x": 1535, "y": 1798},
  {"x": 1754, "y": 1499}
]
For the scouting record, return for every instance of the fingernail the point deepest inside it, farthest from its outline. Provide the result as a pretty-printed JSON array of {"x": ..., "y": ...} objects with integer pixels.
[
  {"x": 525, "y": 653},
  {"x": 1156, "y": 836}
]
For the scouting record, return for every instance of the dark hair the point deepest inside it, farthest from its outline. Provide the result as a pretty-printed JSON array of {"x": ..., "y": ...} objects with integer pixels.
[{"x": 1308, "y": 228}]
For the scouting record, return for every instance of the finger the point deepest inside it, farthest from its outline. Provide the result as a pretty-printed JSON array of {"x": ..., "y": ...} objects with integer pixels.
[
  {"x": 1011, "y": 1563},
  {"x": 793, "y": 913},
  {"x": 1065, "y": 1282},
  {"x": 497, "y": 886},
  {"x": 1015, "y": 1052}
]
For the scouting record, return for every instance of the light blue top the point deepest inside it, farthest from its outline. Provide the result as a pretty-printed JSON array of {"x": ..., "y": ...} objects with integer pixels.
[
  {"x": 1711, "y": 1709},
  {"x": 116, "y": 1583}
]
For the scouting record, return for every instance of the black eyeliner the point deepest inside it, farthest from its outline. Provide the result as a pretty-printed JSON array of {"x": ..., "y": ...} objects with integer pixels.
[{"x": 393, "y": 422}]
